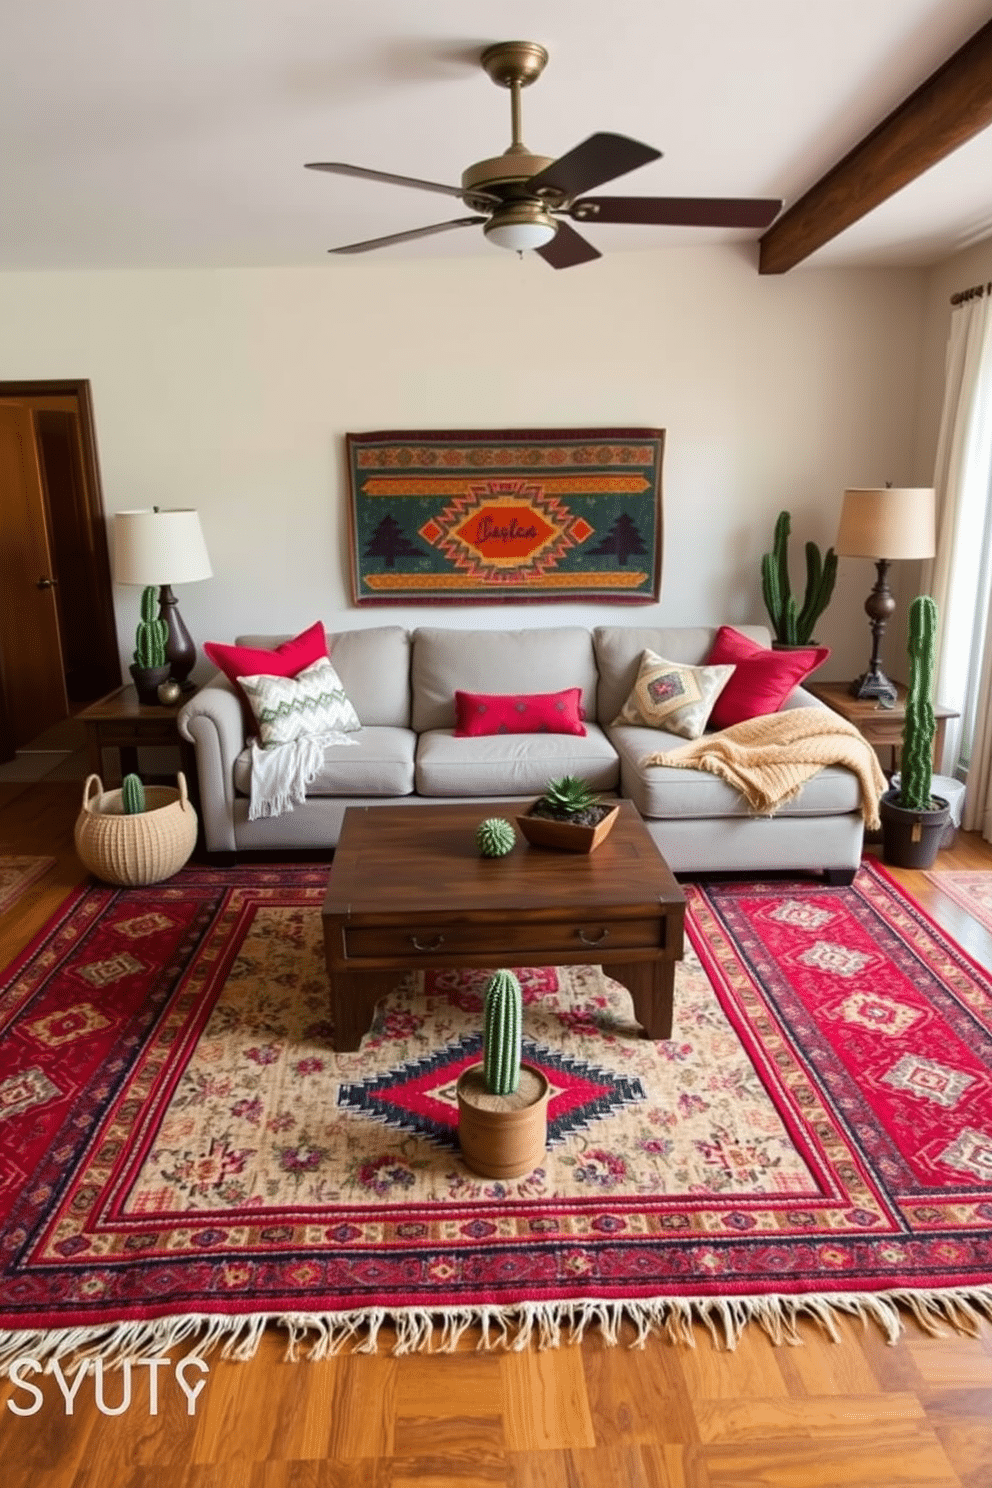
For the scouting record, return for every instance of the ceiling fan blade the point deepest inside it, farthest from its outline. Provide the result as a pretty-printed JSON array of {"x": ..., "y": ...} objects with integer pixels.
[
  {"x": 567, "y": 248},
  {"x": 677, "y": 211},
  {"x": 406, "y": 237},
  {"x": 602, "y": 157},
  {"x": 338, "y": 169}
]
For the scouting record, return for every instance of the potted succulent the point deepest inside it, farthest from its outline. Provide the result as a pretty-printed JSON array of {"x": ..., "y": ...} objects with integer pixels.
[
  {"x": 502, "y": 1104},
  {"x": 150, "y": 667},
  {"x": 793, "y": 626},
  {"x": 138, "y": 834},
  {"x": 913, "y": 820},
  {"x": 569, "y": 815}
]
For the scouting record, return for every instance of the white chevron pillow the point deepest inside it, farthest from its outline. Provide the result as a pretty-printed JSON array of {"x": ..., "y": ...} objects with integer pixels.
[{"x": 312, "y": 702}]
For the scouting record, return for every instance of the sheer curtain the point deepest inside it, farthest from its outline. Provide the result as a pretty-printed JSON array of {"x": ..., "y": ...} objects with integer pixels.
[{"x": 961, "y": 574}]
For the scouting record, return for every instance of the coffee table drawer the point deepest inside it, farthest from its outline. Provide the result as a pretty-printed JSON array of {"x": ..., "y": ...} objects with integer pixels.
[{"x": 408, "y": 941}]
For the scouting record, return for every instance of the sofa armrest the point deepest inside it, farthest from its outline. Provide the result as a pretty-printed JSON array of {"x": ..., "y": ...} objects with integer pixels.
[
  {"x": 213, "y": 723},
  {"x": 800, "y": 698}
]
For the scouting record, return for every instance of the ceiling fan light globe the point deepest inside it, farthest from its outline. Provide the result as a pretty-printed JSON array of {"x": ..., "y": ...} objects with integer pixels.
[{"x": 521, "y": 227}]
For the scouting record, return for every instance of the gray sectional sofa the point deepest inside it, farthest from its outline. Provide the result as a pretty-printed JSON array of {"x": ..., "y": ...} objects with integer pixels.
[{"x": 402, "y": 685}]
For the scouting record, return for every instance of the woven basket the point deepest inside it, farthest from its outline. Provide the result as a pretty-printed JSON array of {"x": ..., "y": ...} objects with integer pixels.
[{"x": 140, "y": 849}]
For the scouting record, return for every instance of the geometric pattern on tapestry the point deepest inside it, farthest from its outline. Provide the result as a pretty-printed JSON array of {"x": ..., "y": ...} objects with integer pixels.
[
  {"x": 287, "y": 708},
  {"x": 419, "y": 1096}
]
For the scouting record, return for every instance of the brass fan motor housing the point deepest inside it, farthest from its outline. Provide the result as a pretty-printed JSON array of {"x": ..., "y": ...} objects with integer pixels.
[
  {"x": 509, "y": 62},
  {"x": 499, "y": 176}
]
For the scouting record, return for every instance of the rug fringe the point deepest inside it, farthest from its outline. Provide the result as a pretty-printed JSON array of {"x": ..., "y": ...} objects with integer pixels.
[{"x": 540, "y": 1325}]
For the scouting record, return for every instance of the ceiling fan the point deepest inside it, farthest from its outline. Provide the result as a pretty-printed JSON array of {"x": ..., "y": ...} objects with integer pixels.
[{"x": 521, "y": 199}]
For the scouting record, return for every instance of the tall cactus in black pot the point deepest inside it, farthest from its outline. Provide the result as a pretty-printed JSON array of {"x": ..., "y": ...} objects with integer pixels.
[{"x": 914, "y": 820}]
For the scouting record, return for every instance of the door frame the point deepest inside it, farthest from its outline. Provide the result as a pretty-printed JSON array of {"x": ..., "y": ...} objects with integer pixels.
[{"x": 104, "y": 627}]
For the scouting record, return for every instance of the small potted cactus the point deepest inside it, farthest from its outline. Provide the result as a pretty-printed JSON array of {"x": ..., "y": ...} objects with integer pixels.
[
  {"x": 150, "y": 667},
  {"x": 135, "y": 835},
  {"x": 793, "y": 626},
  {"x": 502, "y": 1103},
  {"x": 569, "y": 815},
  {"x": 914, "y": 821}
]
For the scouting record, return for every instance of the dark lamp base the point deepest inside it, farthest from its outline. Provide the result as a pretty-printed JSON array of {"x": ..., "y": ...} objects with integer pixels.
[{"x": 874, "y": 684}]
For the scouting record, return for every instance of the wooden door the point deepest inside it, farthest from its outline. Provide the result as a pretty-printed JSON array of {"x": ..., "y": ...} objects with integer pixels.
[{"x": 30, "y": 647}]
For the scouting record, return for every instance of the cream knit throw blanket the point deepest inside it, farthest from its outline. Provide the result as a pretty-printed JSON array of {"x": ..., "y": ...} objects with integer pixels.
[{"x": 770, "y": 758}]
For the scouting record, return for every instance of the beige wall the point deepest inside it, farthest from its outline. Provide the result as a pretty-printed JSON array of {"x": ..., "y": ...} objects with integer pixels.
[{"x": 231, "y": 391}]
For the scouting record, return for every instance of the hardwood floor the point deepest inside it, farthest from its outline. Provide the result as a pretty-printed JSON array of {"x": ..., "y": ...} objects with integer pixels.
[{"x": 858, "y": 1414}]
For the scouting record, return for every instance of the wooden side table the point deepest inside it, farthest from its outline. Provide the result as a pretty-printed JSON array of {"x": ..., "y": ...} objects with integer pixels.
[
  {"x": 118, "y": 721},
  {"x": 882, "y": 727}
]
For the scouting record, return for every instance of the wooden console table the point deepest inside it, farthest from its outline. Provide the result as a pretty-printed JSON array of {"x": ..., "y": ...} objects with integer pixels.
[{"x": 882, "y": 727}]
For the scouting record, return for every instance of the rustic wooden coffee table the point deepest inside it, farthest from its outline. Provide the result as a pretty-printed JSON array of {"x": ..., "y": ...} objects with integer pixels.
[{"x": 408, "y": 888}]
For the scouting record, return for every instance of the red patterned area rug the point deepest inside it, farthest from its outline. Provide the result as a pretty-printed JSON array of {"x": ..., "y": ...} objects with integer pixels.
[
  {"x": 17, "y": 874},
  {"x": 973, "y": 891},
  {"x": 183, "y": 1154}
]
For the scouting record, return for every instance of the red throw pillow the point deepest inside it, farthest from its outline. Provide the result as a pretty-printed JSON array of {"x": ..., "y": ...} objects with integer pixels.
[
  {"x": 519, "y": 713},
  {"x": 286, "y": 660},
  {"x": 762, "y": 679}
]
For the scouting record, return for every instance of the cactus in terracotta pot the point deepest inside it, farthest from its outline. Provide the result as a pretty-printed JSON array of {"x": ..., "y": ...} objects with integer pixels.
[{"x": 502, "y": 1103}]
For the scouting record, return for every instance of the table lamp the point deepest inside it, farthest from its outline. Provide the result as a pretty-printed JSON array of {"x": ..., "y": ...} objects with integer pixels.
[
  {"x": 886, "y": 523},
  {"x": 163, "y": 547}
]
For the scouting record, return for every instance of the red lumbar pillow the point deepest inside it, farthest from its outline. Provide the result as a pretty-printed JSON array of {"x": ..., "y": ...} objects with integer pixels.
[
  {"x": 519, "y": 712},
  {"x": 762, "y": 679},
  {"x": 287, "y": 660}
]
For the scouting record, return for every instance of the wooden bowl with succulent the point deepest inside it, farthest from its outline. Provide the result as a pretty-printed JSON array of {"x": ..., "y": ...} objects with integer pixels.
[{"x": 570, "y": 816}]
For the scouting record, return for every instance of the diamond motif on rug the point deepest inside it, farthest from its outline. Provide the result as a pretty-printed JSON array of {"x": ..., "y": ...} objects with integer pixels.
[
  {"x": 803, "y": 916},
  {"x": 146, "y": 924},
  {"x": 970, "y": 1152},
  {"x": 878, "y": 1013},
  {"x": 419, "y": 1096},
  {"x": 101, "y": 973},
  {"x": 927, "y": 1078},
  {"x": 61, "y": 1027},
  {"x": 31, "y": 1087},
  {"x": 841, "y": 960}
]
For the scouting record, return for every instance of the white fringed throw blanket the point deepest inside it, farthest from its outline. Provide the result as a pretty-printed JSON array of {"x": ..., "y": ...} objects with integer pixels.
[
  {"x": 770, "y": 758},
  {"x": 280, "y": 774}
]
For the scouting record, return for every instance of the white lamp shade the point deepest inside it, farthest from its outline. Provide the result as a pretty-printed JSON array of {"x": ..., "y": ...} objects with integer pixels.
[
  {"x": 160, "y": 547},
  {"x": 890, "y": 522}
]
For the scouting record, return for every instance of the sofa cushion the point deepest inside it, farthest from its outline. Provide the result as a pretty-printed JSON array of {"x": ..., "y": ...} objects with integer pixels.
[
  {"x": 674, "y": 696},
  {"x": 284, "y": 659},
  {"x": 762, "y": 679},
  {"x": 511, "y": 764},
  {"x": 288, "y": 708},
  {"x": 619, "y": 649},
  {"x": 543, "y": 660},
  {"x": 374, "y": 667},
  {"x": 379, "y": 762},
  {"x": 479, "y": 713},
  {"x": 663, "y": 793}
]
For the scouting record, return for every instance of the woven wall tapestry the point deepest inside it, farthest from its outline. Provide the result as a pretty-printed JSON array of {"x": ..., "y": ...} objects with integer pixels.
[{"x": 476, "y": 516}]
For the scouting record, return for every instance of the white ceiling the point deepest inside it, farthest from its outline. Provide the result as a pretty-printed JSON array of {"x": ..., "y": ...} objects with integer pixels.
[{"x": 145, "y": 133}]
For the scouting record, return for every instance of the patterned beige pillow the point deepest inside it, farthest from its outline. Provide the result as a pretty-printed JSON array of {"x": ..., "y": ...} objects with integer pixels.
[
  {"x": 312, "y": 702},
  {"x": 673, "y": 696}
]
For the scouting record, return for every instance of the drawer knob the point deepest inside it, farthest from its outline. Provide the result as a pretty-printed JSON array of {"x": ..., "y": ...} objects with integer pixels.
[
  {"x": 433, "y": 945},
  {"x": 592, "y": 940}
]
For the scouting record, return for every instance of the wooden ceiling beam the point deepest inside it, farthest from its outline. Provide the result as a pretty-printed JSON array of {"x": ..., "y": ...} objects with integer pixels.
[{"x": 953, "y": 105}]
